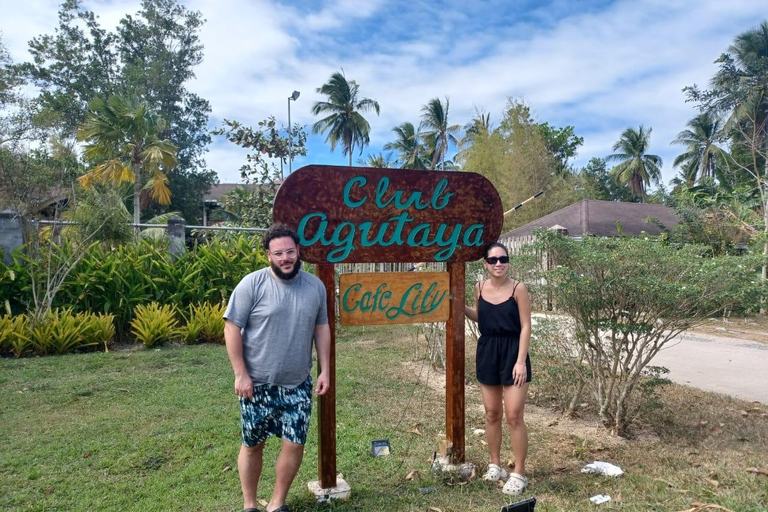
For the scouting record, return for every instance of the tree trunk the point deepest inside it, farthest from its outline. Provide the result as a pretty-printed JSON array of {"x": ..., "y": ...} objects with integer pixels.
[
  {"x": 763, "y": 309},
  {"x": 576, "y": 400},
  {"x": 763, "y": 187},
  {"x": 137, "y": 200}
]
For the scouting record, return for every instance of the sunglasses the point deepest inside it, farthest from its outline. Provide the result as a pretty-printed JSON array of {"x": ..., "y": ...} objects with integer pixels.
[{"x": 494, "y": 260}]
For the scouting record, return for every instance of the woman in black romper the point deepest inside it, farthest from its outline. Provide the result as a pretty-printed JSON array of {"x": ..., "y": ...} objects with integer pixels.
[{"x": 503, "y": 315}]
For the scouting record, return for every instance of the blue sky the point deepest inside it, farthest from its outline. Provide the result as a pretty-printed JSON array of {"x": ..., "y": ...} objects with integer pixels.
[{"x": 600, "y": 65}]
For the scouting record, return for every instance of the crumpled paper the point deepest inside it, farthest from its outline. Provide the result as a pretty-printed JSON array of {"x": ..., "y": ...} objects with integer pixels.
[
  {"x": 598, "y": 499},
  {"x": 602, "y": 468}
]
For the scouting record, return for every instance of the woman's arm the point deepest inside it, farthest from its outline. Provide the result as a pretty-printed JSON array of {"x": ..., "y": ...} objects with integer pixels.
[
  {"x": 520, "y": 372},
  {"x": 469, "y": 312}
]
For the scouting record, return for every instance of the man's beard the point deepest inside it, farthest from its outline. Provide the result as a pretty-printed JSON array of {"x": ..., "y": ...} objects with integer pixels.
[{"x": 287, "y": 276}]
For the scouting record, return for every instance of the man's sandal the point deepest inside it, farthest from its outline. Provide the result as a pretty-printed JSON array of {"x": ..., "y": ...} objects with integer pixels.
[
  {"x": 515, "y": 485},
  {"x": 251, "y": 510}
]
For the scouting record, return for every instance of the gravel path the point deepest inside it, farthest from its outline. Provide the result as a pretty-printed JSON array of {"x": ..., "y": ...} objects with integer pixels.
[{"x": 730, "y": 366}]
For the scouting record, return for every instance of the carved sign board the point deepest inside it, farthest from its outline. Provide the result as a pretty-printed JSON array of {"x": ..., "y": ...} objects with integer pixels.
[
  {"x": 361, "y": 214},
  {"x": 393, "y": 298}
]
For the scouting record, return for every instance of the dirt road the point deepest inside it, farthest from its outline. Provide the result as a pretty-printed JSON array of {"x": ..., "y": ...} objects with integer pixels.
[{"x": 736, "y": 367}]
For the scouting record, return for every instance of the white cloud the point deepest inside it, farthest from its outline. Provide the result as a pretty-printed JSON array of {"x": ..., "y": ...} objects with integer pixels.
[{"x": 599, "y": 67}]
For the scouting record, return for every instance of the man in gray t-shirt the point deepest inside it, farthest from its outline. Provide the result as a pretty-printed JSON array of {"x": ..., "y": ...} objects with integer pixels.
[{"x": 271, "y": 319}]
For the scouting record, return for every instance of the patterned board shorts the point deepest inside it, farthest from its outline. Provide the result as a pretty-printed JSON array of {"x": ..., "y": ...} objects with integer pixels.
[{"x": 277, "y": 410}]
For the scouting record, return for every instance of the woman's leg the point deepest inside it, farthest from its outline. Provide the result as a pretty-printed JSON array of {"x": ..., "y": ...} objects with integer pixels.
[
  {"x": 492, "y": 396},
  {"x": 514, "y": 407}
]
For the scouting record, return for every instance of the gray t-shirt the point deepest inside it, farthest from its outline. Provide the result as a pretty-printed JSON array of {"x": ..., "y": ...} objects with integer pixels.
[{"x": 278, "y": 319}]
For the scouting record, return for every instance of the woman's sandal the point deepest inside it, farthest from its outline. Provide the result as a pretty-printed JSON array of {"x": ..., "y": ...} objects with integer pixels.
[{"x": 515, "y": 485}]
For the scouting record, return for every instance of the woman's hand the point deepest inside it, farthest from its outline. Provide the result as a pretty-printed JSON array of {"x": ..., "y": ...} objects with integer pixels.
[{"x": 519, "y": 374}]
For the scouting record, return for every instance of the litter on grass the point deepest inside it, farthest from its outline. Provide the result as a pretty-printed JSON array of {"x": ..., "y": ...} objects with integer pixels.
[
  {"x": 598, "y": 499},
  {"x": 602, "y": 468}
]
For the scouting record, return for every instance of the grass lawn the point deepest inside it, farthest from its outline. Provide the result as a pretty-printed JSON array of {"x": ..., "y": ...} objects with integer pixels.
[{"x": 158, "y": 430}]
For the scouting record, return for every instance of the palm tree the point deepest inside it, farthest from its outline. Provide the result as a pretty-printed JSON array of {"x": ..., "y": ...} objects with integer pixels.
[
  {"x": 123, "y": 137},
  {"x": 379, "y": 161},
  {"x": 344, "y": 123},
  {"x": 434, "y": 117},
  {"x": 686, "y": 176},
  {"x": 636, "y": 167},
  {"x": 408, "y": 146},
  {"x": 478, "y": 128},
  {"x": 743, "y": 84},
  {"x": 703, "y": 157}
]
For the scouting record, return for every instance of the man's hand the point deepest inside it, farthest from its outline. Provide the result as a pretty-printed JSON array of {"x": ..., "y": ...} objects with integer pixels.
[
  {"x": 244, "y": 386},
  {"x": 322, "y": 384}
]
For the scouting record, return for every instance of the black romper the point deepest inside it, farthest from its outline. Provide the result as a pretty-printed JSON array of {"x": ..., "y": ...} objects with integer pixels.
[{"x": 499, "y": 341}]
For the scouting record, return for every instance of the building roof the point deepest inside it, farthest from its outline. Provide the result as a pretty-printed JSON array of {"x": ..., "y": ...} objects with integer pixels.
[
  {"x": 599, "y": 218},
  {"x": 217, "y": 192},
  {"x": 220, "y": 190}
]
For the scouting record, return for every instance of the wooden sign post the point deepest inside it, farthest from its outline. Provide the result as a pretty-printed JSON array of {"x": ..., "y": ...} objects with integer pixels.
[{"x": 366, "y": 215}]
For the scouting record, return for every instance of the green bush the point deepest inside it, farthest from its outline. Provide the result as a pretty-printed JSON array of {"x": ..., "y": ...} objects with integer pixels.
[
  {"x": 60, "y": 332},
  {"x": 68, "y": 333},
  {"x": 100, "y": 330},
  {"x": 154, "y": 324},
  {"x": 14, "y": 285},
  {"x": 627, "y": 298},
  {"x": 14, "y": 338},
  {"x": 116, "y": 280},
  {"x": 205, "y": 323}
]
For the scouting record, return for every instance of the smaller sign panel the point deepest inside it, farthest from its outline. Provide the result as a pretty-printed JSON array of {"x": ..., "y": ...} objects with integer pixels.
[{"x": 394, "y": 298}]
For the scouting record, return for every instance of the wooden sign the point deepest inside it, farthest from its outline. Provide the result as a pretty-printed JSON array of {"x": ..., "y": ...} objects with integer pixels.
[
  {"x": 393, "y": 298},
  {"x": 361, "y": 214}
]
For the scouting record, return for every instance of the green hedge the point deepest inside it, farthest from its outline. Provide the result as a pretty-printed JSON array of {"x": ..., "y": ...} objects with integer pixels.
[{"x": 116, "y": 280}]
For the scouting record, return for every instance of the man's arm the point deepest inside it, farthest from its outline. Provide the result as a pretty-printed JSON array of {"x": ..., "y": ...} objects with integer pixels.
[
  {"x": 234, "y": 341},
  {"x": 323, "y": 347}
]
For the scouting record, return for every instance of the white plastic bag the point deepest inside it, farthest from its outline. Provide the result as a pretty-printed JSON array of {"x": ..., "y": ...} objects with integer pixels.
[{"x": 602, "y": 468}]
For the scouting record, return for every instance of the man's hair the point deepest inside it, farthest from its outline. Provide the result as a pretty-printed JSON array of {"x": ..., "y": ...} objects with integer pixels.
[{"x": 279, "y": 231}]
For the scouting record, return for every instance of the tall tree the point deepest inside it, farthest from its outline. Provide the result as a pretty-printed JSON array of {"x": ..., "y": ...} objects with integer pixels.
[
  {"x": 123, "y": 140},
  {"x": 16, "y": 112},
  {"x": 636, "y": 167},
  {"x": 516, "y": 160},
  {"x": 160, "y": 48},
  {"x": 344, "y": 122},
  {"x": 437, "y": 132},
  {"x": 739, "y": 90},
  {"x": 703, "y": 157},
  {"x": 408, "y": 146},
  {"x": 266, "y": 143},
  {"x": 378, "y": 161},
  {"x": 562, "y": 143},
  {"x": 599, "y": 184},
  {"x": 478, "y": 128},
  {"x": 151, "y": 56}
]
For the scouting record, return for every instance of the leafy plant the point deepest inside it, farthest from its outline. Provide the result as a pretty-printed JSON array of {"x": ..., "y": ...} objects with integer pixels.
[
  {"x": 68, "y": 332},
  {"x": 628, "y": 298},
  {"x": 205, "y": 323},
  {"x": 13, "y": 338},
  {"x": 154, "y": 324},
  {"x": 114, "y": 280},
  {"x": 40, "y": 333},
  {"x": 12, "y": 281},
  {"x": 100, "y": 330}
]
